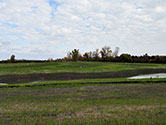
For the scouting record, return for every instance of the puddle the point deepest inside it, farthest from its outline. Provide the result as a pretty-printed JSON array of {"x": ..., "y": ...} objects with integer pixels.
[
  {"x": 3, "y": 84},
  {"x": 38, "y": 81},
  {"x": 158, "y": 75}
]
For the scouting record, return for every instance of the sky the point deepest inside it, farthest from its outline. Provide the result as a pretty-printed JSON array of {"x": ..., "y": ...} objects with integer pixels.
[{"x": 42, "y": 29}]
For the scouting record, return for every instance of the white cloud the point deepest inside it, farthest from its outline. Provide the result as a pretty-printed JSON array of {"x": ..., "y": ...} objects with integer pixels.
[
  {"x": 37, "y": 27},
  {"x": 160, "y": 9}
]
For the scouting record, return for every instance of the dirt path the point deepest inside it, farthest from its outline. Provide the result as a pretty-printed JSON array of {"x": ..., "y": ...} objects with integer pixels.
[{"x": 72, "y": 76}]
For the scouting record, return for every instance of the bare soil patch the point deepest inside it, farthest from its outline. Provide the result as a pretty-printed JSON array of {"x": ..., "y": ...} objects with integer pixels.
[{"x": 20, "y": 78}]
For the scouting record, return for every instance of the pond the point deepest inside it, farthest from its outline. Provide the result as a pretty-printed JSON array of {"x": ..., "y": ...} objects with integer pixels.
[
  {"x": 158, "y": 75},
  {"x": 3, "y": 84}
]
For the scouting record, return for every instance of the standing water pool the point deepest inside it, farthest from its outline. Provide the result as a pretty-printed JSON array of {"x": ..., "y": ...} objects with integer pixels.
[
  {"x": 158, "y": 75},
  {"x": 3, "y": 84}
]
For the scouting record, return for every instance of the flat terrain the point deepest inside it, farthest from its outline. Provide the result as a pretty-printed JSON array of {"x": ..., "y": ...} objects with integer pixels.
[
  {"x": 81, "y": 93},
  {"x": 102, "y": 104}
]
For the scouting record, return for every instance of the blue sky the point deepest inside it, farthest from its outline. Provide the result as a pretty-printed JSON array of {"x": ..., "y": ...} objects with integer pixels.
[{"x": 42, "y": 29}]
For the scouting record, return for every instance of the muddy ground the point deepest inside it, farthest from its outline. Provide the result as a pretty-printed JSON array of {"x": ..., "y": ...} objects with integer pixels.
[{"x": 21, "y": 78}]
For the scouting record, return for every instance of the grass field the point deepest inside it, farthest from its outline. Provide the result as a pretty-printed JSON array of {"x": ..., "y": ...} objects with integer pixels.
[
  {"x": 76, "y": 67},
  {"x": 90, "y": 104},
  {"x": 85, "y": 101}
]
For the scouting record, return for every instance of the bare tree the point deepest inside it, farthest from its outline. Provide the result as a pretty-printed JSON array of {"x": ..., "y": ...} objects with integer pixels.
[
  {"x": 90, "y": 54},
  {"x": 115, "y": 53},
  {"x": 86, "y": 56},
  {"x": 69, "y": 56},
  {"x": 96, "y": 54},
  {"x": 106, "y": 52}
]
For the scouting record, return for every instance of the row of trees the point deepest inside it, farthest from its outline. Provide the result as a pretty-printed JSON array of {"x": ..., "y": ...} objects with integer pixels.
[
  {"x": 142, "y": 59},
  {"x": 106, "y": 54}
]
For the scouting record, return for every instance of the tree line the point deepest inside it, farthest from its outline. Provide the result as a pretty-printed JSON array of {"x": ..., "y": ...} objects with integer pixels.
[{"x": 105, "y": 55}]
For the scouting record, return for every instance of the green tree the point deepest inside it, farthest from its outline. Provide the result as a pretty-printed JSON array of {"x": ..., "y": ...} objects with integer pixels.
[
  {"x": 12, "y": 59},
  {"x": 75, "y": 54},
  {"x": 125, "y": 58}
]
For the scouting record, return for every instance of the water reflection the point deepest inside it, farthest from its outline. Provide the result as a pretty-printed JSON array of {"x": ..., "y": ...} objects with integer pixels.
[{"x": 158, "y": 75}]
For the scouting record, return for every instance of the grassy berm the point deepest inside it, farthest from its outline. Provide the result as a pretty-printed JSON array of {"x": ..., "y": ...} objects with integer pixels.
[
  {"x": 74, "y": 67},
  {"x": 86, "y": 101}
]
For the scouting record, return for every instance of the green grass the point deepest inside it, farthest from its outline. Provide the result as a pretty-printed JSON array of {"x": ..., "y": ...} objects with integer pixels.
[
  {"x": 101, "y": 104},
  {"x": 86, "y": 82},
  {"x": 84, "y": 101},
  {"x": 83, "y": 67}
]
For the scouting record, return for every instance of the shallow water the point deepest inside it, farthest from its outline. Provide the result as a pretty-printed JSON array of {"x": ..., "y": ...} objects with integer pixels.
[
  {"x": 39, "y": 81},
  {"x": 3, "y": 84},
  {"x": 158, "y": 75}
]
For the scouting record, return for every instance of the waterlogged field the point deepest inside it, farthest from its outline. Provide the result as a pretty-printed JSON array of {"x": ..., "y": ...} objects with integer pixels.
[
  {"x": 84, "y": 104},
  {"x": 82, "y": 101},
  {"x": 75, "y": 67}
]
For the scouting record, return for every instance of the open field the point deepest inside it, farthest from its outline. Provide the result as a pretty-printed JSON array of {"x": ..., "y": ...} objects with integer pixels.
[
  {"x": 83, "y": 93},
  {"x": 91, "y": 104},
  {"x": 73, "y": 67},
  {"x": 29, "y": 72},
  {"x": 22, "y": 78},
  {"x": 86, "y": 82}
]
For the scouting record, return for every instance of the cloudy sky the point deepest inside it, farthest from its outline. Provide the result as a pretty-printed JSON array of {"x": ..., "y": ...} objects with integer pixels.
[{"x": 39, "y": 29}]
